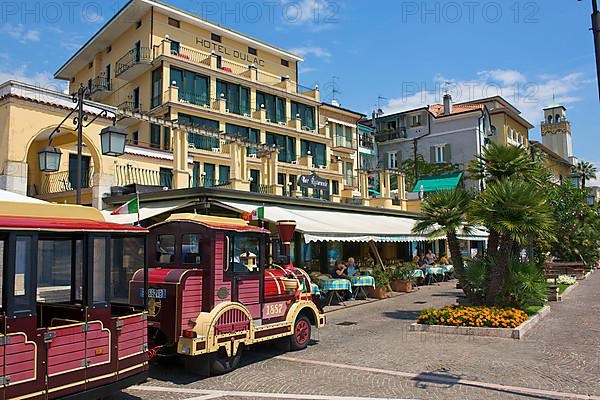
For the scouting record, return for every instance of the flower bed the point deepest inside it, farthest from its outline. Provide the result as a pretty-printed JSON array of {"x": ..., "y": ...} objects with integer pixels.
[
  {"x": 489, "y": 317},
  {"x": 566, "y": 280}
]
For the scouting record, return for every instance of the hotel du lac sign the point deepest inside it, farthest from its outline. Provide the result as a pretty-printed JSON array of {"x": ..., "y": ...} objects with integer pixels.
[{"x": 313, "y": 181}]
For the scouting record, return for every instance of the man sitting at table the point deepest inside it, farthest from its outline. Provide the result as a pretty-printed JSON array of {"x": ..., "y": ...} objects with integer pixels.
[
  {"x": 351, "y": 268},
  {"x": 430, "y": 257},
  {"x": 340, "y": 271}
]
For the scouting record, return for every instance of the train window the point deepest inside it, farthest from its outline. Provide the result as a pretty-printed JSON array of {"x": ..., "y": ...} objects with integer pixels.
[
  {"x": 165, "y": 249},
  {"x": 191, "y": 252},
  {"x": 54, "y": 271},
  {"x": 99, "y": 271},
  {"x": 127, "y": 256},
  {"x": 244, "y": 254},
  {"x": 23, "y": 271}
]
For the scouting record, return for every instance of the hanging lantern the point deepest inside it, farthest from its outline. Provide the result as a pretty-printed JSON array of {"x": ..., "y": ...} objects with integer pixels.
[
  {"x": 112, "y": 140},
  {"x": 49, "y": 159}
]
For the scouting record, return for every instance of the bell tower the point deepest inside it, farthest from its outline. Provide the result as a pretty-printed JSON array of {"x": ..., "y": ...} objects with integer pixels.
[{"x": 556, "y": 131}]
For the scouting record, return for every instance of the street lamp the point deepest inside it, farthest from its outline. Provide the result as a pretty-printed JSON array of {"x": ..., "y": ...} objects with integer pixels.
[
  {"x": 49, "y": 159},
  {"x": 112, "y": 139},
  {"x": 596, "y": 32}
]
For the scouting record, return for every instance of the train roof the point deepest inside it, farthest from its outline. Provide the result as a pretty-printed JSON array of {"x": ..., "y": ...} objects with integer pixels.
[
  {"x": 57, "y": 218},
  {"x": 223, "y": 223}
]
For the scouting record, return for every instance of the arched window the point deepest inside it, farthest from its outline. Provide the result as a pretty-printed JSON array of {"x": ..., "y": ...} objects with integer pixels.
[
  {"x": 557, "y": 118},
  {"x": 549, "y": 119}
]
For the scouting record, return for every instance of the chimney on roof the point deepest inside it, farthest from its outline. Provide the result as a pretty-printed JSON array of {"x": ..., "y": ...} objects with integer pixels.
[{"x": 447, "y": 104}]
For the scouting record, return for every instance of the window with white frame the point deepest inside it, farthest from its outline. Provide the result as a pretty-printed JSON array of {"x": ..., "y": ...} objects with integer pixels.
[
  {"x": 392, "y": 160},
  {"x": 416, "y": 120},
  {"x": 440, "y": 154}
]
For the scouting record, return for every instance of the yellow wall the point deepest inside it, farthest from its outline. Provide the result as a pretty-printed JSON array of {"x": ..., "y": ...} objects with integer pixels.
[{"x": 504, "y": 124}]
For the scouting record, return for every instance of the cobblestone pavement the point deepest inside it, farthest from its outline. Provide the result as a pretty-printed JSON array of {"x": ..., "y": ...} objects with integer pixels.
[{"x": 368, "y": 352}]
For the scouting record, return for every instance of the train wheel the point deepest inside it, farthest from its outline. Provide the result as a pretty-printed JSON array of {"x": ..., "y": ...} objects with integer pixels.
[
  {"x": 221, "y": 363},
  {"x": 299, "y": 340}
]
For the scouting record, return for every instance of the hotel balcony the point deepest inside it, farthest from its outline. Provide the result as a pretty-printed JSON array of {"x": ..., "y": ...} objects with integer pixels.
[
  {"x": 129, "y": 106},
  {"x": 134, "y": 63},
  {"x": 342, "y": 143},
  {"x": 399, "y": 133},
  {"x": 101, "y": 88},
  {"x": 247, "y": 72}
]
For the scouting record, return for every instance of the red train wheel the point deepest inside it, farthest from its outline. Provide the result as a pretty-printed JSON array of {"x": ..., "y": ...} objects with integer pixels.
[{"x": 301, "y": 336}]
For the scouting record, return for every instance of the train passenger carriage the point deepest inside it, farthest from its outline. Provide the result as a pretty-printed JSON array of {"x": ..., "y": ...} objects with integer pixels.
[{"x": 67, "y": 329}]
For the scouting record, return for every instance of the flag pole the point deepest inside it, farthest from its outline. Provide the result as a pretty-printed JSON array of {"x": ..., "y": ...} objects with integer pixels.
[{"x": 137, "y": 195}]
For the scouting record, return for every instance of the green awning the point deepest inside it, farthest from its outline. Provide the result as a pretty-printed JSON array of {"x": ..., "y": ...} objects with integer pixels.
[{"x": 438, "y": 183}]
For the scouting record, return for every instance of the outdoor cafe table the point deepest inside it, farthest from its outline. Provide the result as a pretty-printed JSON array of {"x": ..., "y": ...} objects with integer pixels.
[
  {"x": 315, "y": 289},
  {"x": 335, "y": 286},
  {"x": 434, "y": 272},
  {"x": 359, "y": 283}
]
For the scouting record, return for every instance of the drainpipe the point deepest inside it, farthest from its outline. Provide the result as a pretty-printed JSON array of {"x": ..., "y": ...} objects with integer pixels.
[
  {"x": 479, "y": 145},
  {"x": 415, "y": 140}
]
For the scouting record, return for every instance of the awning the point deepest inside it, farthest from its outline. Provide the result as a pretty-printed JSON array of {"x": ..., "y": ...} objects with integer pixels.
[
  {"x": 147, "y": 211},
  {"x": 438, "y": 183},
  {"x": 341, "y": 226},
  {"x": 18, "y": 198}
]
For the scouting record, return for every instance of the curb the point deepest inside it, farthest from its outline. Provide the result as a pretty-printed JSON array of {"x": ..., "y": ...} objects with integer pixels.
[
  {"x": 517, "y": 333},
  {"x": 568, "y": 290}
]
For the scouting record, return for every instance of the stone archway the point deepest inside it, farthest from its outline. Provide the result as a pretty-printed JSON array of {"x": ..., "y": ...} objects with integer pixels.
[{"x": 60, "y": 186}]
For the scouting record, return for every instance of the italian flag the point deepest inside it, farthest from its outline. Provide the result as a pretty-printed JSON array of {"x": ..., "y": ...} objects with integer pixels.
[
  {"x": 131, "y": 207},
  {"x": 258, "y": 214}
]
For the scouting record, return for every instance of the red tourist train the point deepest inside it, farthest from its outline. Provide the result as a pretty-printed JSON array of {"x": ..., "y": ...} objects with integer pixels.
[
  {"x": 67, "y": 329},
  {"x": 79, "y": 306},
  {"x": 211, "y": 292}
]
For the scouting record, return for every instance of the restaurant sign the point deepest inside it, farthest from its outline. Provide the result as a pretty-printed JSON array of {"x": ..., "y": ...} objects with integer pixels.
[{"x": 313, "y": 181}]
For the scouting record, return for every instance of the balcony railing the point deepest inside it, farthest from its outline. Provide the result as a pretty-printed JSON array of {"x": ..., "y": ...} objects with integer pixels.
[
  {"x": 399, "y": 133},
  {"x": 342, "y": 141},
  {"x": 130, "y": 106},
  {"x": 245, "y": 71},
  {"x": 101, "y": 84},
  {"x": 130, "y": 174},
  {"x": 59, "y": 182},
  {"x": 135, "y": 56},
  {"x": 366, "y": 142}
]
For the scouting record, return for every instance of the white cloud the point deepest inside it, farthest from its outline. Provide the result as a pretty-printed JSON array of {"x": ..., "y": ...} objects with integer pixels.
[
  {"x": 317, "y": 15},
  {"x": 20, "y": 33},
  {"x": 505, "y": 76},
  {"x": 40, "y": 79},
  {"x": 316, "y": 51},
  {"x": 529, "y": 96},
  {"x": 306, "y": 70}
]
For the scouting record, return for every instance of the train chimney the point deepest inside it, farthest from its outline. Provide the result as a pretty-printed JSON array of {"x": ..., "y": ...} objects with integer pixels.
[{"x": 286, "y": 234}]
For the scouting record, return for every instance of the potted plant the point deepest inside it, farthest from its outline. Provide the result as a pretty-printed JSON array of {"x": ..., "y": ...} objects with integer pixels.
[
  {"x": 382, "y": 280},
  {"x": 403, "y": 279}
]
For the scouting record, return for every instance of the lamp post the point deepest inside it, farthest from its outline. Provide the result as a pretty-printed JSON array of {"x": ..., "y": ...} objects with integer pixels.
[
  {"x": 596, "y": 32},
  {"x": 112, "y": 139}
]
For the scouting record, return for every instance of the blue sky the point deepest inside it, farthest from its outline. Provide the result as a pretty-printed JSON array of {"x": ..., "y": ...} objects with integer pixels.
[{"x": 403, "y": 51}]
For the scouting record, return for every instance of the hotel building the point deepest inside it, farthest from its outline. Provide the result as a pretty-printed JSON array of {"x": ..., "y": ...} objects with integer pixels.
[{"x": 203, "y": 106}]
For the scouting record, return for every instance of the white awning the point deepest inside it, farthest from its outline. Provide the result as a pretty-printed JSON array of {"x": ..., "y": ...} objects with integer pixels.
[
  {"x": 17, "y": 198},
  {"x": 342, "y": 226},
  {"x": 147, "y": 211}
]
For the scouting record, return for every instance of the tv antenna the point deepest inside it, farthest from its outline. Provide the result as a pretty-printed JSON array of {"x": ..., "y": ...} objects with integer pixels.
[
  {"x": 378, "y": 109},
  {"x": 333, "y": 88}
]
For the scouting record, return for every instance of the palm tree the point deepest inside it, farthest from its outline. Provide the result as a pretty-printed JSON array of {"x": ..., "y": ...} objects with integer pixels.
[
  {"x": 443, "y": 213},
  {"x": 515, "y": 212},
  {"x": 498, "y": 162},
  {"x": 586, "y": 171}
]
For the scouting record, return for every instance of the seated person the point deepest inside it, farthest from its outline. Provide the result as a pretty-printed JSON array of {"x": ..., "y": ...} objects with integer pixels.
[
  {"x": 422, "y": 263},
  {"x": 351, "y": 268},
  {"x": 340, "y": 271},
  {"x": 430, "y": 257},
  {"x": 444, "y": 261}
]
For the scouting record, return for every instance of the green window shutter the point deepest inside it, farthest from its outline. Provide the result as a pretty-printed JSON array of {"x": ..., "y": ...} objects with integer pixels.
[
  {"x": 447, "y": 153},
  {"x": 432, "y": 154},
  {"x": 398, "y": 157}
]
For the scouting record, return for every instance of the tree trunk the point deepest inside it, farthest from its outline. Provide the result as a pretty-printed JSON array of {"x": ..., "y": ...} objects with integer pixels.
[
  {"x": 493, "y": 242},
  {"x": 455, "y": 255},
  {"x": 497, "y": 272}
]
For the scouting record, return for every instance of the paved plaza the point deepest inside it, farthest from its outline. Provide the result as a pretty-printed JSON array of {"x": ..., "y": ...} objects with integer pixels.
[{"x": 368, "y": 352}]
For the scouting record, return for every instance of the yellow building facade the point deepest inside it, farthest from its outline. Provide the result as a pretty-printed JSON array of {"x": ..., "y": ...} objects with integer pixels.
[
  {"x": 509, "y": 128},
  {"x": 203, "y": 106}
]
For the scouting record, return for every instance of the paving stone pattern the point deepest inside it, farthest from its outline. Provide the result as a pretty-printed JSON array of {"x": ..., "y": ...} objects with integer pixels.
[{"x": 561, "y": 354}]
